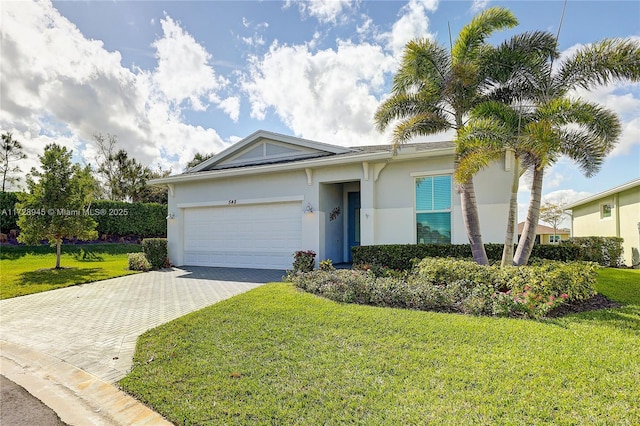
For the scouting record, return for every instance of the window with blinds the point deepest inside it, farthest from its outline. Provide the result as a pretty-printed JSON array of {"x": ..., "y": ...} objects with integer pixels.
[{"x": 433, "y": 209}]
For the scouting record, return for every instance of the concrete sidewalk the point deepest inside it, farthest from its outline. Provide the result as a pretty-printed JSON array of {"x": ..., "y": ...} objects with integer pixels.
[{"x": 75, "y": 343}]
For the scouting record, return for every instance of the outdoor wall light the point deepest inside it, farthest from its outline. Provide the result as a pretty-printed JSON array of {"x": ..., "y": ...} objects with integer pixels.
[
  {"x": 308, "y": 209},
  {"x": 171, "y": 215}
]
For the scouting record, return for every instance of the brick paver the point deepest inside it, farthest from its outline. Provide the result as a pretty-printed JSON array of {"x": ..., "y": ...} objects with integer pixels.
[{"x": 95, "y": 326}]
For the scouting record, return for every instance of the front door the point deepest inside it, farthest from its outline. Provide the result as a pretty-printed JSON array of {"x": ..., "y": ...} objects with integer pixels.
[{"x": 353, "y": 199}]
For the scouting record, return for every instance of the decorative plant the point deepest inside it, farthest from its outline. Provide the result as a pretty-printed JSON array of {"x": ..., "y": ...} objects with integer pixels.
[{"x": 304, "y": 261}]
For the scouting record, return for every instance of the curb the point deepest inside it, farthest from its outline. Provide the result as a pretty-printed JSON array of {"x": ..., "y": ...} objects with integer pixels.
[{"x": 78, "y": 397}]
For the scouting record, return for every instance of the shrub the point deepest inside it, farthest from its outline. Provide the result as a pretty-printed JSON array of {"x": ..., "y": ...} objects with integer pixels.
[
  {"x": 138, "y": 262},
  {"x": 304, "y": 261},
  {"x": 455, "y": 285},
  {"x": 606, "y": 251},
  {"x": 155, "y": 250},
  {"x": 326, "y": 265}
]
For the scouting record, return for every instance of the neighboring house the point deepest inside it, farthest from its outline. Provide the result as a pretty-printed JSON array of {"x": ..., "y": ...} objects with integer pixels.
[
  {"x": 255, "y": 203},
  {"x": 546, "y": 234},
  {"x": 612, "y": 213}
]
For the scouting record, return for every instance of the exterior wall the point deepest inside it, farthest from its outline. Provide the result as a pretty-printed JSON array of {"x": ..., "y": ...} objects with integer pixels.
[
  {"x": 387, "y": 203},
  {"x": 623, "y": 222}
]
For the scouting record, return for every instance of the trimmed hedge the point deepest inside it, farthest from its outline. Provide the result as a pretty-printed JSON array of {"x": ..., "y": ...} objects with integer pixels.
[
  {"x": 113, "y": 217},
  {"x": 602, "y": 250},
  {"x": 120, "y": 218},
  {"x": 155, "y": 250}
]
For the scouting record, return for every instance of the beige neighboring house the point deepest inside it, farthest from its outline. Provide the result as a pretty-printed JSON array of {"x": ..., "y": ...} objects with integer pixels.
[
  {"x": 612, "y": 213},
  {"x": 546, "y": 234}
]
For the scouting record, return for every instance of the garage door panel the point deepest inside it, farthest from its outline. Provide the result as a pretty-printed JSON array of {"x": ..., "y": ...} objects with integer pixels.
[{"x": 256, "y": 236}]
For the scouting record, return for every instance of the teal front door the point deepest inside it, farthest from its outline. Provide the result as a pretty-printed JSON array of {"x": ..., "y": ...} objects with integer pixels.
[{"x": 353, "y": 200}]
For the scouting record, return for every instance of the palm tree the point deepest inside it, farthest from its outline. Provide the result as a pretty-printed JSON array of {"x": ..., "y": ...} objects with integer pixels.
[
  {"x": 434, "y": 89},
  {"x": 583, "y": 131},
  {"x": 536, "y": 136}
]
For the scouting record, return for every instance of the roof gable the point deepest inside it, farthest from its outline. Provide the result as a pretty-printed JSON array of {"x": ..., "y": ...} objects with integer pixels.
[{"x": 264, "y": 147}]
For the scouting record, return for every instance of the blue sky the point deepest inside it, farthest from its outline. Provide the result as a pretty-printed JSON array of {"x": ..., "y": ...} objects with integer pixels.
[{"x": 175, "y": 78}]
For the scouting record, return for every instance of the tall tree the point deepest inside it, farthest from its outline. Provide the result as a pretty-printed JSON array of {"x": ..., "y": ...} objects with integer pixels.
[
  {"x": 583, "y": 131},
  {"x": 433, "y": 90},
  {"x": 10, "y": 152},
  {"x": 106, "y": 146},
  {"x": 58, "y": 197}
]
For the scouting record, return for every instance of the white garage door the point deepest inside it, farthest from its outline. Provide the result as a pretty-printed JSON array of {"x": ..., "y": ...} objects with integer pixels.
[{"x": 243, "y": 236}]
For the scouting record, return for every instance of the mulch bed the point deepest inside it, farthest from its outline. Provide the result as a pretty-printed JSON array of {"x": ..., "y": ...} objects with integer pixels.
[{"x": 596, "y": 302}]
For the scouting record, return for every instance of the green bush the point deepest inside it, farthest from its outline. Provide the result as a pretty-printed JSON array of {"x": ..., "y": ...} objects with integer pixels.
[
  {"x": 8, "y": 217},
  {"x": 155, "y": 250},
  {"x": 304, "y": 261},
  {"x": 138, "y": 262},
  {"x": 606, "y": 251},
  {"x": 454, "y": 285},
  {"x": 120, "y": 218}
]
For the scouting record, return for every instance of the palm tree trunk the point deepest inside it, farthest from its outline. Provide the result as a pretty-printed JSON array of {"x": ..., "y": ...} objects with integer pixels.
[
  {"x": 472, "y": 222},
  {"x": 507, "y": 251},
  {"x": 528, "y": 238}
]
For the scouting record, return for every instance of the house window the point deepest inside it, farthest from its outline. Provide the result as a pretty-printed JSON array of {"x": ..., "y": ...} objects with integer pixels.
[
  {"x": 433, "y": 209},
  {"x": 605, "y": 210},
  {"x": 553, "y": 239}
]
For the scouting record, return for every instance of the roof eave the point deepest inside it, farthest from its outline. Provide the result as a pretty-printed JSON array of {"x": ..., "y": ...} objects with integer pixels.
[
  {"x": 592, "y": 198},
  {"x": 297, "y": 165}
]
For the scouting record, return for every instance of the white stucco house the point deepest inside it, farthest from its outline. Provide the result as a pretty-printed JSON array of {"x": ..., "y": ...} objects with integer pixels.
[{"x": 260, "y": 200}]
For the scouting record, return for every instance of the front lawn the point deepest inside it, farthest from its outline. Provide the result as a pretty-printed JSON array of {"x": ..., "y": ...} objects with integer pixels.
[
  {"x": 277, "y": 355},
  {"x": 28, "y": 269}
]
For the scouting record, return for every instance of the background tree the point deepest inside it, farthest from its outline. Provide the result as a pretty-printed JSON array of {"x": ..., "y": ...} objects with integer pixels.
[
  {"x": 56, "y": 198},
  {"x": 434, "y": 89},
  {"x": 106, "y": 146},
  {"x": 553, "y": 214},
  {"x": 197, "y": 159},
  {"x": 155, "y": 194},
  {"x": 10, "y": 152}
]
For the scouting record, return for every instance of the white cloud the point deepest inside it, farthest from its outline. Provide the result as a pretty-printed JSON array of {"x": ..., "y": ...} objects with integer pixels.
[
  {"x": 413, "y": 23},
  {"x": 479, "y": 5},
  {"x": 329, "y": 95},
  {"x": 183, "y": 71},
  {"x": 231, "y": 106},
  {"x": 325, "y": 11},
  {"x": 58, "y": 86}
]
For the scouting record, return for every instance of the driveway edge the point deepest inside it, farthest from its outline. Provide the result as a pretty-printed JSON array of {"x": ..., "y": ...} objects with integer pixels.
[{"x": 78, "y": 397}]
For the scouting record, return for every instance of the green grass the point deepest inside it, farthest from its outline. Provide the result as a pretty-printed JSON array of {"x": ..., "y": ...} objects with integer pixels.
[
  {"x": 276, "y": 355},
  {"x": 28, "y": 269}
]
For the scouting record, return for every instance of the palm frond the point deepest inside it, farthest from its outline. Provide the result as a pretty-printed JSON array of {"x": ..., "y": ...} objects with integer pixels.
[
  {"x": 473, "y": 35},
  {"x": 404, "y": 105},
  {"x": 424, "y": 63},
  {"x": 607, "y": 61},
  {"x": 585, "y": 149},
  {"x": 423, "y": 124}
]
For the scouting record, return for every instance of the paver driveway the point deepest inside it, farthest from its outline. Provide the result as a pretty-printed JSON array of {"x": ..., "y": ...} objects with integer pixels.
[{"x": 95, "y": 326}]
